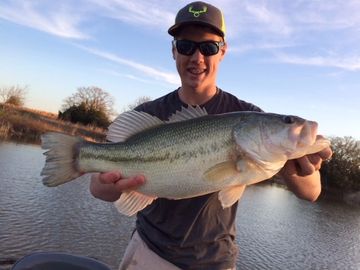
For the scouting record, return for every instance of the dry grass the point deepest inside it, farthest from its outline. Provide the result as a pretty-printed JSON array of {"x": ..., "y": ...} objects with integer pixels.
[{"x": 26, "y": 125}]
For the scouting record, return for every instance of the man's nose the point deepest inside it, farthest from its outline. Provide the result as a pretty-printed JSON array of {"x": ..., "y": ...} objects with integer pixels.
[{"x": 197, "y": 56}]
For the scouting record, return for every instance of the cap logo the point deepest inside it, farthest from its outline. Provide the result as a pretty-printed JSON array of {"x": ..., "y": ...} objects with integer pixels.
[{"x": 197, "y": 13}]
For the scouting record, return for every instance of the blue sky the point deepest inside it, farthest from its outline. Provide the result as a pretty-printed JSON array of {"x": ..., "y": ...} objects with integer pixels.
[{"x": 298, "y": 57}]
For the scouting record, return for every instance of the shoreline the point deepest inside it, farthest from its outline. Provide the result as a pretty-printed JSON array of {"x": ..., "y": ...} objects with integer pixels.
[
  {"x": 23, "y": 125},
  {"x": 351, "y": 198}
]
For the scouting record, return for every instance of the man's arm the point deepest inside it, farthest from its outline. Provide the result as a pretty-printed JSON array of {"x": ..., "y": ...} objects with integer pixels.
[
  {"x": 109, "y": 186},
  {"x": 302, "y": 175}
]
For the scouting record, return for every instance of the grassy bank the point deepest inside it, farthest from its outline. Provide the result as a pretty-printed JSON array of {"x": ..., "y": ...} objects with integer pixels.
[{"x": 19, "y": 124}]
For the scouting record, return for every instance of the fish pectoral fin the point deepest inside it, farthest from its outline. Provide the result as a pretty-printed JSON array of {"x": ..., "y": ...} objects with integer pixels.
[
  {"x": 131, "y": 202},
  {"x": 230, "y": 195},
  {"x": 221, "y": 172}
]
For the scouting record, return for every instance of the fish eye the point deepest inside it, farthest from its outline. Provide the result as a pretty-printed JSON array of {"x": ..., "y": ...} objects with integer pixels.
[{"x": 288, "y": 119}]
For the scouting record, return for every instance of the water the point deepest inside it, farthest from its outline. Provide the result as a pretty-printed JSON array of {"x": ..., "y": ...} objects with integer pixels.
[
  {"x": 275, "y": 229},
  {"x": 66, "y": 218},
  {"x": 278, "y": 231}
]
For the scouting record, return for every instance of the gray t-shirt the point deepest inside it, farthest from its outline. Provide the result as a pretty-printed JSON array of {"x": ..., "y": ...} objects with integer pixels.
[{"x": 195, "y": 233}]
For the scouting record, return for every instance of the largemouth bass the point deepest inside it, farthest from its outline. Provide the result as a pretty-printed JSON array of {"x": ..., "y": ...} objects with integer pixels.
[{"x": 189, "y": 155}]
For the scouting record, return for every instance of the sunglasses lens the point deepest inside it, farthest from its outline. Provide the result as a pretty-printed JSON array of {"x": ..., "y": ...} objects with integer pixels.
[
  {"x": 209, "y": 48},
  {"x": 185, "y": 47},
  {"x": 188, "y": 47}
]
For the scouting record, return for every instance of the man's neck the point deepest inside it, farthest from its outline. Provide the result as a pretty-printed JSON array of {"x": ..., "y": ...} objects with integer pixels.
[{"x": 196, "y": 97}]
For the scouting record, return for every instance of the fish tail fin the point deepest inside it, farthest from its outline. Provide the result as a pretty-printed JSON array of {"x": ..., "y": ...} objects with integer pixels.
[{"x": 61, "y": 164}]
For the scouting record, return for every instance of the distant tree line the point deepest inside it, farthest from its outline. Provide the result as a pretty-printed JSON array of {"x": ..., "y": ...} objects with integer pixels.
[
  {"x": 94, "y": 106},
  {"x": 343, "y": 170},
  {"x": 88, "y": 105}
]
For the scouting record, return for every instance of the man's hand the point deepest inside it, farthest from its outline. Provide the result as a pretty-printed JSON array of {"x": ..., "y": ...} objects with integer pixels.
[
  {"x": 302, "y": 175},
  {"x": 109, "y": 186}
]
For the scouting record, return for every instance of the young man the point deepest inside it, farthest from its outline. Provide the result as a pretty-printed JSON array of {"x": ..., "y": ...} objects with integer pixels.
[{"x": 195, "y": 233}]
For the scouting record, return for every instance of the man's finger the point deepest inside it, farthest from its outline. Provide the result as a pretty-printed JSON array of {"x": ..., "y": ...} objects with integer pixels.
[
  {"x": 325, "y": 153},
  {"x": 129, "y": 183},
  {"x": 315, "y": 160},
  {"x": 305, "y": 166},
  {"x": 109, "y": 177}
]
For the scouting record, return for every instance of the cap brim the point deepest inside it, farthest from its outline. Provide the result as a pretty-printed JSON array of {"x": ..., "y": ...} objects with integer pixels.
[{"x": 173, "y": 30}]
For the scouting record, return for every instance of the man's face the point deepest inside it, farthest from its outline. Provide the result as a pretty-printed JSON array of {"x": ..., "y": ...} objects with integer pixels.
[{"x": 197, "y": 71}]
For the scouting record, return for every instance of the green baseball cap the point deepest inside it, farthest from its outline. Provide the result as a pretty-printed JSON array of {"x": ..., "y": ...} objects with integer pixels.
[{"x": 200, "y": 13}]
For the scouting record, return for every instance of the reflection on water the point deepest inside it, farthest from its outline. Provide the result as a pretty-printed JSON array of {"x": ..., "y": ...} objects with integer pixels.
[
  {"x": 66, "y": 218},
  {"x": 275, "y": 229},
  {"x": 278, "y": 231}
]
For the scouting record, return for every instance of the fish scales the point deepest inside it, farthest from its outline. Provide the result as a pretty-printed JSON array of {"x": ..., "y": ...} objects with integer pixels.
[
  {"x": 190, "y": 155},
  {"x": 184, "y": 149}
]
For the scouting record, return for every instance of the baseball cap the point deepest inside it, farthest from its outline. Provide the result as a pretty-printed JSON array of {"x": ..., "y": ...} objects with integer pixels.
[{"x": 200, "y": 13}]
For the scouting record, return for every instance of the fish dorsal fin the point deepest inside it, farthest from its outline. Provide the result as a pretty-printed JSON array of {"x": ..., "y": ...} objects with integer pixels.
[
  {"x": 187, "y": 113},
  {"x": 230, "y": 195},
  {"x": 131, "y": 202},
  {"x": 130, "y": 123}
]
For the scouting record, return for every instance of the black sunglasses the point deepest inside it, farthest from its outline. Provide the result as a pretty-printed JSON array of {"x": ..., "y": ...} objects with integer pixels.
[{"x": 188, "y": 47}]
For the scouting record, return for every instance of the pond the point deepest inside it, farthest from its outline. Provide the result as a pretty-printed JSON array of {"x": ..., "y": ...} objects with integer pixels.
[{"x": 276, "y": 230}]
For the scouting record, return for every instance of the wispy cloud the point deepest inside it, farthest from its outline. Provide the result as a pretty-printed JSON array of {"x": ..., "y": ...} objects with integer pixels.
[
  {"x": 290, "y": 17},
  {"x": 327, "y": 15},
  {"x": 349, "y": 63},
  {"x": 264, "y": 18},
  {"x": 299, "y": 27},
  {"x": 271, "y": 20},
  {"x": 128, "y": 76},
  {"x": 168, "y": 77},
  {"x": 57, "y": 20},
  {"x": 271, "y": 26},
  {"x": 254, "y": 16},
  {"x": 68, "y": 20},
  {"x": 146, "y": 13},
  {"x": 244, "y": 48}
]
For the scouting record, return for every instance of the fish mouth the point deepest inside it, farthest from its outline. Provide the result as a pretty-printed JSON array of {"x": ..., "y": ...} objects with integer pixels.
[
  {"x": 300, "y": 138},
  {"x": 308, "y": 134}
]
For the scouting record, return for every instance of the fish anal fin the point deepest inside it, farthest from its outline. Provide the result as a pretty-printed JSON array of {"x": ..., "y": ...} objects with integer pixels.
[
  {"x": 131, "y": 202},
  {"x": 230, "y": 195}
]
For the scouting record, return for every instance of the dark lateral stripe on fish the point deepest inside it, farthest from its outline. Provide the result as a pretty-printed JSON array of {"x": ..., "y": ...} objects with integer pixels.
[{"x": 129, "y": 156}]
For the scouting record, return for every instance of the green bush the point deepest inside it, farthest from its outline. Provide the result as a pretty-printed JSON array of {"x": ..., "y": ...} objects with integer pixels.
[
  {"x": 343, "y": 170},
  {"x": 81, "y": 114}
]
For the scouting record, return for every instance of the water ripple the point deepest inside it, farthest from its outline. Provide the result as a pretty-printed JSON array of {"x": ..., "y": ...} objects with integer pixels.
[{"x": 275, "y": 229}]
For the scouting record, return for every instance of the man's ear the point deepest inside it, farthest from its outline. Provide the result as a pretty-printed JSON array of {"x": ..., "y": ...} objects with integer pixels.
[
  {"x": 223, "y": 50},
  {"x": 173, "y": 50}
]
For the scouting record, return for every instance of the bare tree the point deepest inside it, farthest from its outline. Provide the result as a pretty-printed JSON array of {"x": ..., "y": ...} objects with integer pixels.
[
  {"x": 93, "y": 98},
  {"x": 14, "y": 95},
  {"x": 138, "y": 101}
]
